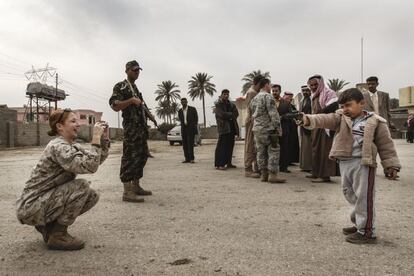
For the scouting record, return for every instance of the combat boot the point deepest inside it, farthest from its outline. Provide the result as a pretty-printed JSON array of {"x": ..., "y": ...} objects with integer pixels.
[
  {"x": 59, "y": 239},
  {"x": 45, "y": 230},
  {"x": 264, "y": 176},
  {"x": 273, "y": 178},
  {"x": 129, "y": 193},
  {"x": 139, "y": 190},
  {"x": 251, "y": 173}
]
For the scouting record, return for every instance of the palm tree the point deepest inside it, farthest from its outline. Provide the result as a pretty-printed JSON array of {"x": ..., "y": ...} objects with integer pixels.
[
  {"x": 173, "y": 111},
  {"x": 336, "y": 84},
  {"x": 248, "y": 79},
  {"x": 199, "y": 86},
  {"x": 167, "y": 92},
  {"x": 162, "y": 110}
]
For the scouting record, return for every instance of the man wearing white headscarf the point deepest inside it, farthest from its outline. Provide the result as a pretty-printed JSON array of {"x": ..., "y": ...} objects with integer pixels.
[{"x": 324, "y": 100}]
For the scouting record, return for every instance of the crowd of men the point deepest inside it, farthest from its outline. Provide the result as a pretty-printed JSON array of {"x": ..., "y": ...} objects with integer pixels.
[
  {"x": 273, "y": 141},
  {"x": 348, "y": 138}
]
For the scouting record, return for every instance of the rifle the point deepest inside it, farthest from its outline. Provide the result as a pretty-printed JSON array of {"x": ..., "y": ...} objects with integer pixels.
[{"x": 295, "y": 115}]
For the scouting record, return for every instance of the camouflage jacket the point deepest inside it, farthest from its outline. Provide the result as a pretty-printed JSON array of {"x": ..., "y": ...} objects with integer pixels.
[
  {"x": 264, "y": 113},
  {"x": 59, "y": 163},
  {"x": 133, "y": 115}
]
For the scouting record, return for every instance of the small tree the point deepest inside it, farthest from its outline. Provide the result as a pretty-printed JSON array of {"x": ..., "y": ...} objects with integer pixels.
[
  {"x": 168, "y": 93},
  {"x": 162, "y": 110},
  {"x": 199, "y": 86},
  {"x": 164, "y": 128},
  {"x": 248, "y": 79},
  {"x": 394, "y": 103},
  {"x": 336, "y": 84}
]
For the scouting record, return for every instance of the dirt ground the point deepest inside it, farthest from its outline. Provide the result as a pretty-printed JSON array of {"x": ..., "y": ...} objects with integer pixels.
[{"x": 206, "y": 222}]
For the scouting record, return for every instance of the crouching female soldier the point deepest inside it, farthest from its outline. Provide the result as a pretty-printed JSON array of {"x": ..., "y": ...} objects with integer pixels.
[{"x": 52, "y": 198}]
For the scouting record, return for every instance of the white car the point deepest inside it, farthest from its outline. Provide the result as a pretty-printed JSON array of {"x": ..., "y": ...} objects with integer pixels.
[{"x": 174, "y": 136}]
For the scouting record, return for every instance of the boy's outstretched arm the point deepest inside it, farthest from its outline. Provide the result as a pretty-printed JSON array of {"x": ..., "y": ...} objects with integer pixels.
[{"x": 329, "y": 121}]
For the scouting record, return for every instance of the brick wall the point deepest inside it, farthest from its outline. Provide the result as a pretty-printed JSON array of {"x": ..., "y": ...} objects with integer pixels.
[
  {"x": 85, "y": 133},
  {"x": 116, "y": 133},
  {"x": 6, "y": 115},
  {"x": 31, "y": 134}
]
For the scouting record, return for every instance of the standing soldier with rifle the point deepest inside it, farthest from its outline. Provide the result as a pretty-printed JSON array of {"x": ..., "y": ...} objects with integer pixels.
[{"x": 126, "y": 97}]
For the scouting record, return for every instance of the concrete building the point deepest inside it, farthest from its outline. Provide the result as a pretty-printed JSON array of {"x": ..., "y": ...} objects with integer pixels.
[
  {"x": 87, "y": 116},
  {"x": 406, "y": 97}
]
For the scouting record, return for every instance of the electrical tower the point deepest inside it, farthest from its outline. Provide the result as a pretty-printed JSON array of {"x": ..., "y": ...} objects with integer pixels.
[{"x": 40, "y": 94}]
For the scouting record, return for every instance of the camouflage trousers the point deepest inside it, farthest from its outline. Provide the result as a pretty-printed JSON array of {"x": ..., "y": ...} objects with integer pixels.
[
  {"x": 135, "y": 154},
  {"x": 62, "y": 204},
  {"x": 267, "y": 155}
]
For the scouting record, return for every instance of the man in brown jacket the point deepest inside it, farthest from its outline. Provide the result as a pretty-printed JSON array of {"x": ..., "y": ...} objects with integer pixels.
[
  {"x": 360, "y": 135},
  {"x": 250, "y": 163},
  {"x": 377, "y": 101}
]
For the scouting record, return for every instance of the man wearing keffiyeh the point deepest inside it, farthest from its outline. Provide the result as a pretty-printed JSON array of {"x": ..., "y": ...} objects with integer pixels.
[{"x": 324, "y": 100}]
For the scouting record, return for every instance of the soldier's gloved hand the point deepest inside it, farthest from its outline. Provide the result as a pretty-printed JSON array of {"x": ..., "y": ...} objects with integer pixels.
[
  {"x": 274, "y": 140},
  {"x": 98, "y": 130}
]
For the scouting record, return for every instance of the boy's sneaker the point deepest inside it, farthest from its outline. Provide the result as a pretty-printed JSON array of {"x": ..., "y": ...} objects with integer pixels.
[
  {"x": 358, "y": 238},
  {"x": 349, "y": 230}
]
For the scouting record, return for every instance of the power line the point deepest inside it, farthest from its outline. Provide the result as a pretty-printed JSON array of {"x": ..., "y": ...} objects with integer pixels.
[
  {"x": 74, "y": 91},
  {"x": 12, "y": 74},
  {"x": 91, "y": 91},
  {"x": 16, "y": 59},
  {"x": 9, "y": 67}
]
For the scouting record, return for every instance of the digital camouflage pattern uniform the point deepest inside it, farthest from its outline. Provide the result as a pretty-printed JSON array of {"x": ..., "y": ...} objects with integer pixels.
[
  {"x": 52, "y": 193},
  {"x": 266, "y": 125},
  {"x": 135, "y": 146}
]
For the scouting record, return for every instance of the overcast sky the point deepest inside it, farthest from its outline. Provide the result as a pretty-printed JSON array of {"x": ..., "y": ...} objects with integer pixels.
[{"x": 90, "y": 42}]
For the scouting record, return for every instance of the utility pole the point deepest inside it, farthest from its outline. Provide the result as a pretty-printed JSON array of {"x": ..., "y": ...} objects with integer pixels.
[
  {"x": 119, "y": 121},
  {"x": 362, "y": 59},
  {"x": 56, "y": 91}
]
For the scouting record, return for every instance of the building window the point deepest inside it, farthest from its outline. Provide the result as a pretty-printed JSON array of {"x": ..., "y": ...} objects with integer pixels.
[{"x": 83, "y": 117}]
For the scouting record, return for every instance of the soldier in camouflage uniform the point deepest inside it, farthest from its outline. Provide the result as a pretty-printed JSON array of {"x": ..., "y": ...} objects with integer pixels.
[
  {"x": 53, "y": 198},
  {"x": 126, "y": 97},
  {"x": 266, "y": 126}
]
